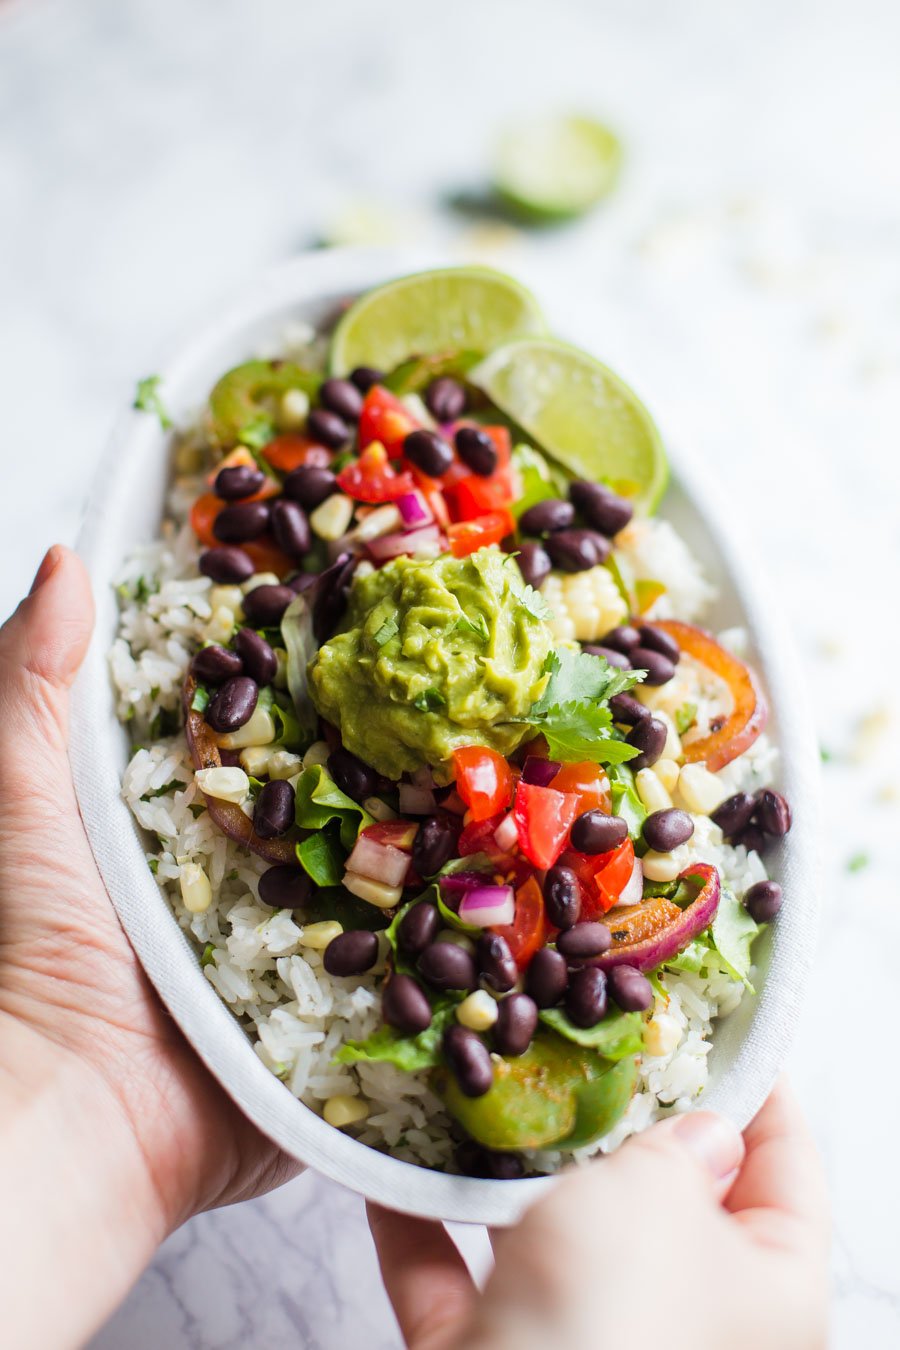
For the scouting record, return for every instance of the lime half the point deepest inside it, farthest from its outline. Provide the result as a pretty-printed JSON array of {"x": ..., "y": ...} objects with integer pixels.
[
  {"x": 556, "y": 168},
  {"x": 453, "y": 309},
  {"x": 580, "y": 413}
]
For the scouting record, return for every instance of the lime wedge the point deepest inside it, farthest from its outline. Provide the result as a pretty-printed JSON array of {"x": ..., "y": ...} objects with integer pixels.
[
  {"x": 580, "y": 413},
  {"x": 556, "y": 168},
  {"x": 453, "y": 309}
]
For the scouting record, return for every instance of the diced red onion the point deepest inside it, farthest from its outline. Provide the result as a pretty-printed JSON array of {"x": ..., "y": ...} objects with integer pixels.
[
  {"x": 540, "y": 772},
  {"x": 414, "y": 510},
  {"x": 379, "y": 862},
  {"x": 488, "y": 906},
  {"x": 416, "y": 801},
  {"x": 506, "y": 835},
  {"x": 428, "y": 539},
  {"x": 653, "y": 951},
  {"x": 456, "y": 884},
  {"x": 423, "y": 777}
]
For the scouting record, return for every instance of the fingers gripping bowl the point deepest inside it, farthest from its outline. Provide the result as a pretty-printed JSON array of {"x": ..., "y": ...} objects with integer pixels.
[{"x": 266, "y": 762}]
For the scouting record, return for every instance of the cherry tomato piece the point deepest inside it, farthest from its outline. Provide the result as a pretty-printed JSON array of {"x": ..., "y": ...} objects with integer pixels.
[
  {"x": 529, "y": 929},
  {"x": 385, "y": 419},
  {"x": 483, "y": 780},
  {"x": 590, "y": 784},
  {"x": 543, "y": 818},
  {"x": 371, "y": 478},
  {"x": 289, "y": 451},
  {"x": 470, "y": 535}
]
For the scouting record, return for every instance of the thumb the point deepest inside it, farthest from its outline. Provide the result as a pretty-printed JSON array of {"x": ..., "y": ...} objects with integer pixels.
[{"x": 42, "y": 646}]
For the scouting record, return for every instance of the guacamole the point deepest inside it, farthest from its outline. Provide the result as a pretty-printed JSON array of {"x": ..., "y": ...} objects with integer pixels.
[{"x": 433, "y": 654}]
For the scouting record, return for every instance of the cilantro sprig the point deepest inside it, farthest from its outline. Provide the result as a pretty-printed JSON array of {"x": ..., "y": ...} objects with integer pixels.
[
  {"x": 147, "y": 399},
  {"x": 573, "y": 713}
]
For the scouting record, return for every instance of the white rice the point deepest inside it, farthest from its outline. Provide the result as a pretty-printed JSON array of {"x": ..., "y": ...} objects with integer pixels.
[{"x": 296, "y": 1015}]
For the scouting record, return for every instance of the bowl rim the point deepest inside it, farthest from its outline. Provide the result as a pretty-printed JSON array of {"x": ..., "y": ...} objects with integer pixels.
[{"x": 162, "y": 947}]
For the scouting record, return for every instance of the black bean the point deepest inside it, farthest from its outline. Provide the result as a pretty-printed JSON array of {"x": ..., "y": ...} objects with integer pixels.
[
  {"x": 405, "y": 1006},
  {"x": 273, "y": 811},
  {"x": 547, "y": 977},
  {"x": 534, "y": 563},
  {"x": 365, "y": 376},
  {"x": 577, "y": 550},
  {"x": 214, "y": 665},
  {"x": 291, "y": 528},
  {"x": 627, "y": 708},
  {"x": 495, "y": 962},
  {"x": 285, "y": 887},
  {"x": 226, "y": 566},
  {"x": 773, "y": 814},
  {"x": 658, "y": 640},
  {"x": 239, "y": 523},
  {"x": 517, "y": 1018},
  {"x": 447, "y": 965},
  {"x": 469, "y": 1059},
  {"x": 331, "y": 595},
  {"x": 649, "y": 736},
  {"x": 265, "y": 605},
  {"x": 734, "y": 814},
  {"x": 763, "y": 901},
  {"x": 342, "y": 397},
  {"x": 260, "y": 661},
  {"x": 666, "y": 830},
  {"x": 351, "y": 953},
  {"x": 609, "y": 654},
  {"x": 476, "y": 450},
  {"x": 546, "y": 516},
  {"x": 632, "y": 991},
  {"x": 429, "y": 452},
  {"x": 433, "y": 845},
  {"x": 445, "y": 399},
  {"x": 351, "y": 775},
  {"x": 310, "y": 485},
  {"x": 237, "y": 482},
  {"x": 658, "y": 667},
  {"x": 584, "y": 940},
  {"x": 752, "y": 838},
  {"x": 418, "y": 928},
  {"x": 596, "y": 832},
  {"x": 623, "y": 638},
  {"x": 586, "y": 997},
  {"x": 601, "y": 507},
  {"x": 474, "y": 1160},
  {"x": 327, "y": 428},
  {"x": 562, "y": 896},
  {"x": 233, "y": 704}
]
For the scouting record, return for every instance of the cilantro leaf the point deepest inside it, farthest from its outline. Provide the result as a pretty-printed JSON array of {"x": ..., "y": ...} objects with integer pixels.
[
  {"x": 685, "y": 717},
  {"x": 572, "y": 713},
  {"x": 147, "y": 399},
  {"x": 390, "y": 628},
  {"x": 430, "y": 700},
  {"x": 535, "y": 603},
  {"x": 476, "y": 624}
]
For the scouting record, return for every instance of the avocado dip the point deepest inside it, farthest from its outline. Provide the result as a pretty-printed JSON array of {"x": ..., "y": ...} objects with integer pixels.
[{"x": 433, "y": 654}]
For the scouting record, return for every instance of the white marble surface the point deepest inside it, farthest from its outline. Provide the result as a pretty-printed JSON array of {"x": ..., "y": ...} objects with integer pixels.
[{"x": 745, "y": 277}]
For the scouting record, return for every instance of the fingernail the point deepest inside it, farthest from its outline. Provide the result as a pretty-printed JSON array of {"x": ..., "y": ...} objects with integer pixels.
[
  {"x": 713, "y": 1140},
  {"x": 48, "y": 565}
]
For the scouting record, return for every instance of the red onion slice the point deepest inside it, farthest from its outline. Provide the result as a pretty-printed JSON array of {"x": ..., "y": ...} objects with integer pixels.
[
  {"x": 488, "y": 906},
  {"x": 426, "y": 540},
  {"x": 416, "y": 801},
  {"x": 671, "y": 940},
  {"x": 413, "y": 510},
  {"x": 379, "y": 862}
]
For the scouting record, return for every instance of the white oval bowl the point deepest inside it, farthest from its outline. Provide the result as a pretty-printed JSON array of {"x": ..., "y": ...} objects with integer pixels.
[{"x": 126, "y": 508}]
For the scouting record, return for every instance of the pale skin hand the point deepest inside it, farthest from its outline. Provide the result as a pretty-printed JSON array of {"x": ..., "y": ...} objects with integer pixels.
[
  {"x": 111, "y": 1130},
  {"x": 689, "y": 1237}
]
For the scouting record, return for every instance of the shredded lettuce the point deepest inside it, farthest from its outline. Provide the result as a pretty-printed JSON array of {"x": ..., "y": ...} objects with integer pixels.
[
  {"x": 616, "y": 1037},
  {"x": 733, "y": 931},
  {"x": 410, "y": 1053},
  {"x": 320, "y": 801},
  {"x": 322, "y": 856},
  {"x": 625, "y": 800}
]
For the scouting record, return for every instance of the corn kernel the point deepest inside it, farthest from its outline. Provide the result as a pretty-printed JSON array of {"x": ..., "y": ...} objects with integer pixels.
[
  {"x": 293, "y": 409},
  {"x": 318, "y": 935},
  {"x": 378, "y": 809},
  {"x": 284, "y": 764},
  {"x": 651, "y": 791},
  {"x": 196, "y": 891},
  {"x": 373, "y": 892},
  {"x": 332, "y": 518},
  {"x": 344, "y": 1110},
  {"x": 663, "y": 866},
  {"x": 229, "y": 596},
  {"x": 317, "y": 753},
  {"x": 672, "y": 748},
  {"x": 667, "y": 772},
  {"x": 661, "y": 1035},
  {"x": 225, "y": 783},
  {"x": 259, "y": 729},
  {"x": 220, "y": 626},
  {"x": 255, "y": 760},
  {"x": 258, "y": 579},
  {"x": 478, "y": 1011},
  {"x": 699, "y": 790},
  {"x": 583, "y": 605},
  {"x": 383, "y": 520}
]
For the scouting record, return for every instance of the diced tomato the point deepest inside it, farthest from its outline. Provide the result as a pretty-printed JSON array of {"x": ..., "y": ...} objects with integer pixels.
[
  {"x": 474, "y": 495},
  {"x": 543, "y": 818},
  {"x": 265, "y": 555},
  {"x": 603, "y": 877},
  {"x": 399, "y": 833},
  {"x": 289, "y": 451},
  {"x": 241, "y": 458},
  {"x": 483, "y": 780},
  {"x": 590, "y": 784},
  {"x": 529, "y": 929},
  {"x": 371, "y": 478},
  {"x": 430, "y": 489},
  {"x": 203, "y": 514},
  {"x": 478, "y": 837},
  {"x": 384, "y": 418},
  {"x": 469, "y": 535}
]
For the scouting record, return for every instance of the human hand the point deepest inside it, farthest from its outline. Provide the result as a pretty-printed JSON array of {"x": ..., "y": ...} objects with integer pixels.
[
  {"x": 688, "y": 1236},
  {"x": 91, "y": 1065}
]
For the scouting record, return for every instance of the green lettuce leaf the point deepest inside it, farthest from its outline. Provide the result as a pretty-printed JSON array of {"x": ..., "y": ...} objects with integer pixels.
[
  {"x": 410, "y": 1053},
  {"x": 320, "y": 801},
  {"x": 733, "y": 932},
  {"x": 147, "y": 399},
  {"x": 693, "y": 958},
  {"x": 323, "y": 857},
  {"x": 625, "y": 800},
  {"x": 616, "y": 1037},
  {"x": 537, "y": 478}
]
